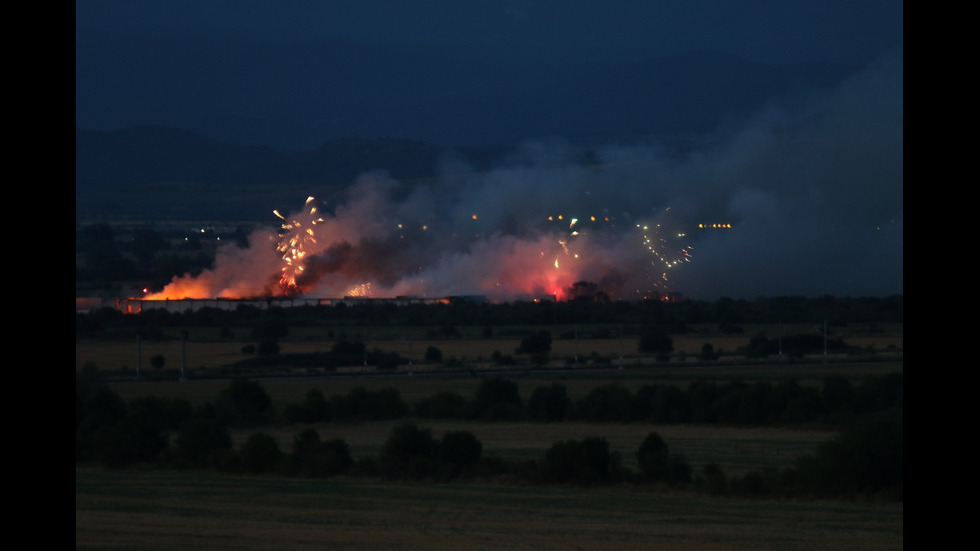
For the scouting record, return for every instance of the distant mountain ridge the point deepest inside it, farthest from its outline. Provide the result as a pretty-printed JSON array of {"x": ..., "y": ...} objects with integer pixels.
[
  {"x": 159, "y": 173},
  {"x": 217, "y": 127}
]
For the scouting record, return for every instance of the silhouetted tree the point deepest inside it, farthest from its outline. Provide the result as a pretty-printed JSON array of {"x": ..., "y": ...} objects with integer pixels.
[
  {"x": 586, "y": 462},
  {"x": 549, "y": 403},
  {"x": 657, "y": 464},
  {"x": 244, "y": 403},
  {"x": 498, "y": 399},
  {"x": 315, "y": 458},
  {"x": 460, "y": 450},
  {"x": 409, "y": 453},
  {"x": 260, "y": 453},
  {"x": 202, "y": 442},
  {"x": 433, "y": 354},
  {"x": 708, "y": 352}
]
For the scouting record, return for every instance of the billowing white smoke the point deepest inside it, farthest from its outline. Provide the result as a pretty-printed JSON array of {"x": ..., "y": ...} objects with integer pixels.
[{"x": 814, "y": 193}]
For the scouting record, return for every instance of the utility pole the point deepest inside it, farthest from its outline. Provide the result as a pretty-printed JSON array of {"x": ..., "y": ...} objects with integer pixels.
[
  {"x": 183, "y": 355},
  {"x": 621, "y": 347},
  {"x": 139, "y": 356},
  {"x": 824, "y": 341}
]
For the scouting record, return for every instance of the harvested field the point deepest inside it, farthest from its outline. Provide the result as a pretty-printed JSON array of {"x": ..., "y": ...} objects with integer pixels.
[{"x": 188, "y": 511}]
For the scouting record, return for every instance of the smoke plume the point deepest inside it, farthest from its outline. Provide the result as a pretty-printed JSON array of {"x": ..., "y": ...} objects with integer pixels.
[{"x": 812, "y": 188}]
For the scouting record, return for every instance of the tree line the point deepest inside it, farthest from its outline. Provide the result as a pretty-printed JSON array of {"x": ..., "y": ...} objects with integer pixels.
[
  {"x": 583, "y": 318},
  {"x": 836, "y": 402},
  {"x": 864, "y": 459}
]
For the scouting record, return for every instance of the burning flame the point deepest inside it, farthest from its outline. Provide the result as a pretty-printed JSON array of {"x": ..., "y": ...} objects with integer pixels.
[{"x": 368, "y": 247}]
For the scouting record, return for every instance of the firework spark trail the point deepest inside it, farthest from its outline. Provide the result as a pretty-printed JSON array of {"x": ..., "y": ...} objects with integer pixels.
[
  {"x": 667, "y": 255},
  {"x": 298, "y": 239}
]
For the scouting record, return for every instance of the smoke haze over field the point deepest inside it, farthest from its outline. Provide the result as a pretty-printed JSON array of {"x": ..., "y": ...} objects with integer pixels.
[{"x": 812, "y": 186}]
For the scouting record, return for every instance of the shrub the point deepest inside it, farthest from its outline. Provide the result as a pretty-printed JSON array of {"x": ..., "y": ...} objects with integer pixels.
[
  {"x": 713, "y": 480},
  {"x": 201, "y": 443},
  {"x": 315, "y": 407},
  {"x": 260, "y": 453},
  {"x": 244, "y": 403},
  {"x": 609, "y": 402},
  {"x": 657, "y": 464},
  {"x": 126, "y": 442},
  {"x": 433, "y": 355},
  {"x": 863, "y": 460},
  {"x": 655, "y": 342},
  {"x": 460, "y": 450},
  {"x": 708, "y": 352},
  {"x": 443, "y": 405},
  {"x": 498, "y": 399},
  {"x": 314, "y": 458},
  {"x": 409, "y": 453},
  {"x": 585, "y": 462},
  {"x": 549, "y": 403},
  {"x": 653, "y": 457}
]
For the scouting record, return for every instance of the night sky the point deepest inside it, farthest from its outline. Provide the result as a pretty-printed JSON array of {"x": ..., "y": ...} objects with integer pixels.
[
  {"x": 812, "y": 182},
  {"x": 772, "y": 31}
]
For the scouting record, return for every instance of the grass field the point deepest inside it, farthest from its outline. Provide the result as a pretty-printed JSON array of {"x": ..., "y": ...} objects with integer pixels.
[
  {"x": 156, "y": 510},
  {"x": 173, "y": 510}
]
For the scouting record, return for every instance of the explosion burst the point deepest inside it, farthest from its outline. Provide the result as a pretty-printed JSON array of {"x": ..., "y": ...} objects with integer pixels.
[
  {"x": 663, "y": 245},
  {"x": 298, "y": 238},
  {"x": 372, "y": 245}
]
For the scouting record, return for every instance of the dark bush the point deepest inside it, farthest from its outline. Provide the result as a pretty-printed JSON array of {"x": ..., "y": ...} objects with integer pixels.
[
  {"x": 202, "y": 442},
  {"x": 498, "y": 399},
  {"x": 653, "y": 458},
  {"x": 609, "y": 402},
  {"x": 133, "y": 439},
  {"x": 260, "y": 453},
  {"x": 660, "y": 403},
  {"x": 549, "y": 403},
  {"x": 707, "y": 352},
  {"x": 658, "y": 465},
  {"x": 584, "y": 462},
  {"x": 865, "y": 460},
  {"x": 96, "y": 406},
  {"x": 311, "y": 457},
  {"x": 712, "y": 479},
  {"x": 444, "y": 405},
  {"x": 315, "y": 407},
  {"x": 244, "y": 403},
  {"x": 460, "y": 450},
  {"x": 409, "y": 453},
  {"x": 433, "y": 355}
]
